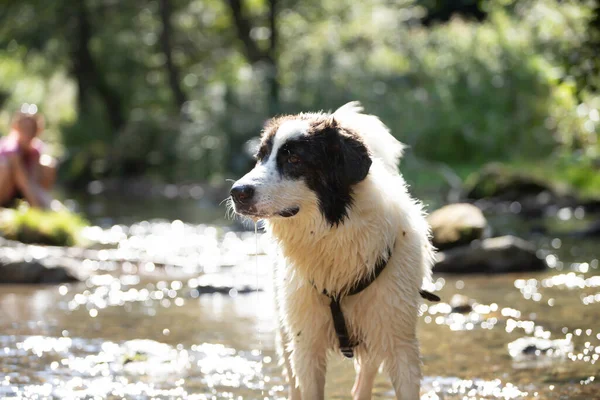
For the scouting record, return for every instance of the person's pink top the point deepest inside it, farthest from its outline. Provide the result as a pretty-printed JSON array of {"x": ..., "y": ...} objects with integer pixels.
[{"x": 10, "y": 145}]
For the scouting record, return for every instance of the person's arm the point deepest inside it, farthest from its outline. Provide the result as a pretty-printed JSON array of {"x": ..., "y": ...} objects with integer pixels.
[{"x": 26, "y": 184}]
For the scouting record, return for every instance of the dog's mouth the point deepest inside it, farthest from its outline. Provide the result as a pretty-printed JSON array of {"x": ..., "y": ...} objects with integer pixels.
[{"x": 252, "y": 212}]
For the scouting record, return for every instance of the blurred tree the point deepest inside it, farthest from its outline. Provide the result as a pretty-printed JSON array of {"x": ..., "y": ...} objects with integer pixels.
[
  {"x": 257, "y": 56},
  {"x": 167, "y": 48},
  {"x": 62, "y": 32},
  {"x": 589, "y": 60},
  {"x": 522, "y": 81},
  {"x": 78, "y": 34}
]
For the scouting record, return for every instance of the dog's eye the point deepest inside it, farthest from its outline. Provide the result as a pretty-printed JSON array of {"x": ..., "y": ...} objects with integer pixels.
[{"x": 293, "y": 159}]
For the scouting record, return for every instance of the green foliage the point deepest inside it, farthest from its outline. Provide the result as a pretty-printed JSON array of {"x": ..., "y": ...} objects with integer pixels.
[
  {"x": 32, "y": 225},
  {"x": 53, "y": 94},
  {"x": 461, "y": 93}
]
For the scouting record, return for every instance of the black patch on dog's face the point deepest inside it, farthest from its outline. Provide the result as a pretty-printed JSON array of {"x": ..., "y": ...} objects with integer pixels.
[
  {"x": 264, "y": 151},
  {"x": 329, "y": 159}
]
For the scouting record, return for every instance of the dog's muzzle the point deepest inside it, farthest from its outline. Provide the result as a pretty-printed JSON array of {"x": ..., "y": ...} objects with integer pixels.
[
  {"x": 242, "y": 194},
  {"x": 243, "y": 198},
  {"x": 245, "y": 203}
]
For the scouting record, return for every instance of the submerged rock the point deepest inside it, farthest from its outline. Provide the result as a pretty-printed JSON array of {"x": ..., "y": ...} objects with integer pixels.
[
  {"x": 148, "y": 357},
  {"x": 28, "y": 272},
  {"x": 528, "y": 352},
  {"x": 139, "y": 357},
  {"x": 456, "y": 224},
  {"x": 496, "y": 255},
  {"x": 461, "y": 304},
  {"x": 32, "y": 264},
  {"x": 230, "y": 290},
  {"x": 226, "y": 284}
]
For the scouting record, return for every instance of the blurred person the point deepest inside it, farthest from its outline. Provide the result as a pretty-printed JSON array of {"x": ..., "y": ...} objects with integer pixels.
[{"x": 25, "y": 172}]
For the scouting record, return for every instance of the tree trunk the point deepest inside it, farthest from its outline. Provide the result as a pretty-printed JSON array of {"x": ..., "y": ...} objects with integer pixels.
[
  {"x": 78, "y": 61},
  {"x": 273, "y": 58},
  {"x": 243, "y": 27},
  {"x": 254, "y": 54},
  {"x": 88, "y": 75},
  {"x": 166, "y": 45},
  {"x": 83, "y": 85}
]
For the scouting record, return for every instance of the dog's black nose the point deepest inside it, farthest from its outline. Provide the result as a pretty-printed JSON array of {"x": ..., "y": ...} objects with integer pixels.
[{"x": 242, "y": 193}]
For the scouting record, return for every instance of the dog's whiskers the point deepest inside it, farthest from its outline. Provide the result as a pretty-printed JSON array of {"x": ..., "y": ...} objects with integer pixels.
[
  {"x": 229, "y": 210},
  {"x": 225, "y": 199}
]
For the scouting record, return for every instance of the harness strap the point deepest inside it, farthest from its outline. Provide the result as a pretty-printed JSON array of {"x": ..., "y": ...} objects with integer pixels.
[
  {"x": 339, "y": 322},
  {"x": 429, "y": 296}
]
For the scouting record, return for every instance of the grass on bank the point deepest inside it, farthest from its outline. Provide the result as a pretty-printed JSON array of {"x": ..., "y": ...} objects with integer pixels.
[{"x": 35, "y": 226}]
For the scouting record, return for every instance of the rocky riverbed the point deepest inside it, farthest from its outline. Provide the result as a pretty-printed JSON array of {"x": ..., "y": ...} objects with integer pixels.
[{"x": 167, "y": 310}]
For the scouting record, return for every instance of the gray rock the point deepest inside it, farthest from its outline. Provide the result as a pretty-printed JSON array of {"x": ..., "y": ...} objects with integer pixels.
[
  {"x": 456, "y": 224},
  {"x": 35, "y": 272},
  {"x": 591, "y": 231},
  {"x": 496, "y": 255},
  {"x": 497, "y": 181},
  {"x": 229, "y": 284},
  {"x": 461, "y": 304},
  {"x": 210, "y": 289},
  {"x": 534, "y": 352},
  {"x": 148, "y": 357},
  {"x": 495, "y": 184}
]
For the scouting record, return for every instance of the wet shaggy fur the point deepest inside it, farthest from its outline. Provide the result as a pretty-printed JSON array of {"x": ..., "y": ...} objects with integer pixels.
[{"x": 329, "y": 190}]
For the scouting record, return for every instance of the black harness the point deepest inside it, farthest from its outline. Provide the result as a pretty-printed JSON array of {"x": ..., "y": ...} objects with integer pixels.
[{"x": 339, "y": 323}]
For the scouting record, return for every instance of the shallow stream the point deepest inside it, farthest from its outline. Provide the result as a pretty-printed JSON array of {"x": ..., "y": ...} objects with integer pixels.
[{"x": 143, "y": 331}]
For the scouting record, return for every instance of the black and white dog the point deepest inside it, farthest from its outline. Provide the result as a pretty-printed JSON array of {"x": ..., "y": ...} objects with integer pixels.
[{"x": 354, "y": 247}]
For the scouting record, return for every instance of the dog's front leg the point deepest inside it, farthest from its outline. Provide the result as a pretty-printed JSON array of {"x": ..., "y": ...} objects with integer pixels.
[
  {"x": 309, "y": 365},
  {"x": 285, "y": 354},
  {"x": 404, "y": 368},
  {"x": 366, "y": 370}
]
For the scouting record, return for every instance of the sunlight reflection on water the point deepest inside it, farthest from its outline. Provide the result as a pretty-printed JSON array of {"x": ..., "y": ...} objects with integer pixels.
[{"x": 83, "y": 340}]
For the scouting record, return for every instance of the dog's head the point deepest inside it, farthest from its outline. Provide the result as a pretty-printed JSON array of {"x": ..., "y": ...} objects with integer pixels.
[{"x": 304, "y": 161}]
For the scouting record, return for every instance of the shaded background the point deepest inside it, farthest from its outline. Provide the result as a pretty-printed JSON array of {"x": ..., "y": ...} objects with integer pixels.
[{"x": 171, "y": 91}]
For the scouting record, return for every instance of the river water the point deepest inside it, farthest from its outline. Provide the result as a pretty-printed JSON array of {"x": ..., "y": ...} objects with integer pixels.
[{"x": 142, "y": 330}]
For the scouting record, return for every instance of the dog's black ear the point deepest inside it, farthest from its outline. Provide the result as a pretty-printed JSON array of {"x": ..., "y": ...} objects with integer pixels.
[
  {"x": 355, "y": 158},
  {"x": 351, "y": 156}
]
